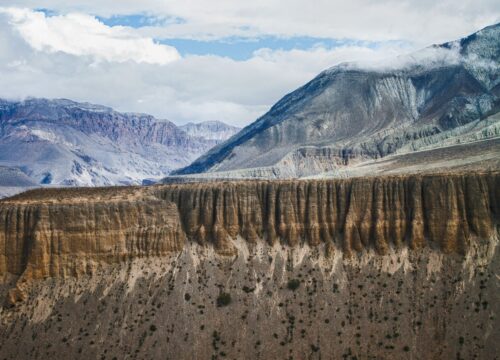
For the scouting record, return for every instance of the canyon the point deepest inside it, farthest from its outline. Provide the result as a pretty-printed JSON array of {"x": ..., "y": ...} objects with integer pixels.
[
  {"x": 359, "y": 218},
  {"x": 356, "y": 268}
]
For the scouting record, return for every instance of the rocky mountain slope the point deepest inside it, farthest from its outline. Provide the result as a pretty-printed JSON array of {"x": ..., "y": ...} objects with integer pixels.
[
  {"x": 14, "y": 177},
  {"x": 360, "y": 112},
  {"x": 210, "y": 130},
  {"x": 13, "y": 181},
  {"x": 389, "y": 267},
  {"x": 68, "y": 143}
]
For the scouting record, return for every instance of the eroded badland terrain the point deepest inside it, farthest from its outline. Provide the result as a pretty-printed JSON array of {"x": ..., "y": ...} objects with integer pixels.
[{"x": 363, "y": 268}]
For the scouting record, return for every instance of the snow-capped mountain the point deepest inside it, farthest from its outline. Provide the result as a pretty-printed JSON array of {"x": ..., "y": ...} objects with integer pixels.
[
  {"x": 68, "y": 143},
  {"x": 359, "y": 112},
  {"x": 210, "y": 130}
]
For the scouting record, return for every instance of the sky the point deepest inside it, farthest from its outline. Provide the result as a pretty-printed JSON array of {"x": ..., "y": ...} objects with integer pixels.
[{"x": 197, "y": 60}]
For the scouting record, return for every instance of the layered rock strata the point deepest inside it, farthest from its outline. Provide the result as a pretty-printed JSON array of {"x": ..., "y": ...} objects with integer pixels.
[
  {"x": 366, "y": 268},
  {"x": 59, "y": 233}
]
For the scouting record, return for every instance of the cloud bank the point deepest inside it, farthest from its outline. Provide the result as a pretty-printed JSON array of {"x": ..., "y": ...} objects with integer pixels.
[
  {"x": 83, "y": 35},
  {"x": 420, "y": 21},
  {"x": 71, "y": 51}
]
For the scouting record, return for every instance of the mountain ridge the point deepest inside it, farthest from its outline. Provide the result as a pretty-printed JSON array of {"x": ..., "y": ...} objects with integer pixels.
[
  {"x": 433, "y": 90},
  {"x": 65, "y": 142}
]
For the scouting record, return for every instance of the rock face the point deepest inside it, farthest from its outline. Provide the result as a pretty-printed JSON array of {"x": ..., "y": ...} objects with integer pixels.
[
  {"x": 355, "y": 113},
  {"x": 63, "y": 142},
  {"x": 390, "y": 267},
  {"x": 61, "y": 233}
]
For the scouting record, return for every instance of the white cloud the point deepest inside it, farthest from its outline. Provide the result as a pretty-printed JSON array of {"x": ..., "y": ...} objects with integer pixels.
[
  {"x": 429, "y": 57},
  {"x": 194, "y": 88},
  {"x": 83, "y": 35},
  {"x": 420, "y": 21},
  {"x": 75, "y": 56}
]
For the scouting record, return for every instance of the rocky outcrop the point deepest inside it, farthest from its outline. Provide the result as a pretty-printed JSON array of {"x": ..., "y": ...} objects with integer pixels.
[
  {"x": 62, "y": 232},
  {"x": 47, "y": 240},
  {"x": 352, "y": 215}
]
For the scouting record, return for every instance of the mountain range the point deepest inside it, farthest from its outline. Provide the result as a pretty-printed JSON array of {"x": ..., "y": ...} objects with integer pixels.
[
  {"x": 62, "y": 142},
  {"x": 434, "y": 109},
  {"x": 398, "y": 266},
  {"x": 369, "y": 118}
]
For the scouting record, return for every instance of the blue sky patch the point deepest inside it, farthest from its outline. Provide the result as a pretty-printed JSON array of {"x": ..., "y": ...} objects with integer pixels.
[
  {"x": 139, "y": 20},
  {"x": 47, "y": 12},
  {"x": 243, "y": 48},
  {"x": 237, "y": 48}
]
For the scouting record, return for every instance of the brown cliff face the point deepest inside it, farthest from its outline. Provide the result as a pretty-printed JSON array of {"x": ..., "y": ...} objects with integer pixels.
[
  {"x": 42, "y": 240},
  {"x": 59, "y": 233},
  {"x": 393, "y": 267},
  {"x": 352, "y": 214}
]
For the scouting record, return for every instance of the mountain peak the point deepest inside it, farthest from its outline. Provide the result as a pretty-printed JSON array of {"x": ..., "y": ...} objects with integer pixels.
[
  {"x": 62, "y": 102},
  {"x": 365, "y": 111}
]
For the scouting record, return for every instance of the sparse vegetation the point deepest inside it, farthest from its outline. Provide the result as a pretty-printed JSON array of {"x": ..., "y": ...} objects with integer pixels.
[
  {"x": 248, "y": 289},
  {"x": 293, "y": 284},
  {"x": 223, "y": 299}
]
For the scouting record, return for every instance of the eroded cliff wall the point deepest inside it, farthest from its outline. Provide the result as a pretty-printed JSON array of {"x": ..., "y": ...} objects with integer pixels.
[
  {"x": 58, "y": 233},
  {"x": 351, "y": 214},
  {"x": 393, "y": 267}
]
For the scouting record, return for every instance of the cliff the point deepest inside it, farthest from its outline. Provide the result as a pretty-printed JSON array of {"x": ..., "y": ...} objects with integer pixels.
[
  {"x": 67, "y": 232},
  {"x": 390, "y": 267}
]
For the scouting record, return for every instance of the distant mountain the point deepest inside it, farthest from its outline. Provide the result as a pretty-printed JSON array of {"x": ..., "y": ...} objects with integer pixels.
[
  {"x": 356, "y": 113},
  {"x": 210, "y": 130},
  {"x": 68, "y": 143},
  {"x": 14, "y": 177},
  {"x": 13, "y": 181}
]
